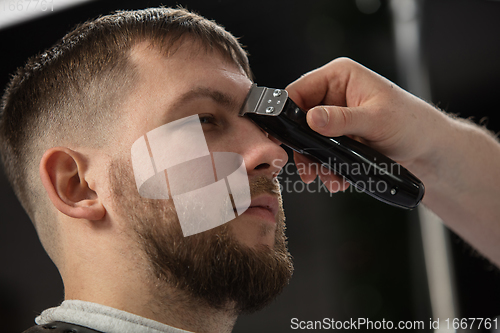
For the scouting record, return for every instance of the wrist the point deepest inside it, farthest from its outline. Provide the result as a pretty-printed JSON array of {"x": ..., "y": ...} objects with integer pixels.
[{"x": 437, "y": 140}]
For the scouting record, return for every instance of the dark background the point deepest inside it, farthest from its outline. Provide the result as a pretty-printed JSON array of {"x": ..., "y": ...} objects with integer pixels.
[{"x": 354, "y": 257}]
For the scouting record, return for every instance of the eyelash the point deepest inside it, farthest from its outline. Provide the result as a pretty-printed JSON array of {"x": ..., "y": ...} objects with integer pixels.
[{"x": 211, "y": 119}]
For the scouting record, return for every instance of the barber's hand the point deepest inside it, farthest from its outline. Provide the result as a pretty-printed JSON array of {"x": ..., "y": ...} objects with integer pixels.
[{"x": 345, "y": 98}]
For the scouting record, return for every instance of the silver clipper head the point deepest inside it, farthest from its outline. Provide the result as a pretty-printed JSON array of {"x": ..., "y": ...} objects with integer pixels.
[{"x": 264, "y": 101}]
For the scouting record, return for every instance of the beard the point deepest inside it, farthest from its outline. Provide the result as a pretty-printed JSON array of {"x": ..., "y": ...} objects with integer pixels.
[{"x": 211, "y": 268}]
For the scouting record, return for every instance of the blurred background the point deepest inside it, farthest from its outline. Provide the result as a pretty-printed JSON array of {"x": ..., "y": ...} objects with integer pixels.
[{"x": 354, "y": 256}]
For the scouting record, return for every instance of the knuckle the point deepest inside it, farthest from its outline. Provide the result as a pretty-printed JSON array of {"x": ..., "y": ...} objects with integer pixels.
[
  {"x": 343, "y": 61},
  {"x": 343, "y": 118}
]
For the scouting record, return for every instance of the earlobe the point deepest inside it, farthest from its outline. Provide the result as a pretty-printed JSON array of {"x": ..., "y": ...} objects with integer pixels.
[{"x": 63, "y": 172}]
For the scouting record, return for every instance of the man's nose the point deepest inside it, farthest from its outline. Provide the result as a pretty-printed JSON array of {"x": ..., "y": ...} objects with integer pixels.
[{"x": 263, "y": 154}]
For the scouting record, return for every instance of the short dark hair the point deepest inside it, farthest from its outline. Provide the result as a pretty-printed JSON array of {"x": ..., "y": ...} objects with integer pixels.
[{"x": 68, "y": 93}]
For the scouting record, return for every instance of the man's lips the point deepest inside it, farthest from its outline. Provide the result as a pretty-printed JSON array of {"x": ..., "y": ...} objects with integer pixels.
[{"x": 264, "y": 206}]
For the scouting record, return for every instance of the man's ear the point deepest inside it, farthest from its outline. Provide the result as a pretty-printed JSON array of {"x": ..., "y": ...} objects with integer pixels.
[{"x": 63, "y": 175}]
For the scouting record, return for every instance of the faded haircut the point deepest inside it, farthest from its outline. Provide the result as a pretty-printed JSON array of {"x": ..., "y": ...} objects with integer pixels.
[{"x": 71, "y": 93}]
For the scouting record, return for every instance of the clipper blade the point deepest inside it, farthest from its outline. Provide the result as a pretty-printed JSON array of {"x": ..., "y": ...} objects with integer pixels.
[{"x": 264, "y": 101}]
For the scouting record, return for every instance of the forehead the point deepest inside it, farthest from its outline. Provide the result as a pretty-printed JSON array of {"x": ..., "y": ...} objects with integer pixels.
[
  {"x": 181, "y": 61},
  {"x": 166, "y": 83}
]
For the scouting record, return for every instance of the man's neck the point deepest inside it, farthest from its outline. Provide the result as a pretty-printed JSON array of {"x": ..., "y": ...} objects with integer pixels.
[
  {"x": 175, "y": 308},
  {"x": 110, "y": 268},
  {"x": 131, "y": 287}
]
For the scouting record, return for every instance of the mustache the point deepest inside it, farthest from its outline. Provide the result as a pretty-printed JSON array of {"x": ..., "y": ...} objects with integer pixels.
[{"x": 264, "y": 185}]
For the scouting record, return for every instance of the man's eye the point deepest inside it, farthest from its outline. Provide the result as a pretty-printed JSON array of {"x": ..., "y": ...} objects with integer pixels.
[{"x": 207, "y": 119}]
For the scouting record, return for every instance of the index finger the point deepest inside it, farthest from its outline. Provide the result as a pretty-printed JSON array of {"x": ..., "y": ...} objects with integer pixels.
[{"x": 325, "y": 85}]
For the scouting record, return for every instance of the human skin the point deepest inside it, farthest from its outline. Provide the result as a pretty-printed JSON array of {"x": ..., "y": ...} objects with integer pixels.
[
  {"x": 77, "y": 182},
  {"x": 203, "y": 84},
  {"x": 457, "y": 161}
]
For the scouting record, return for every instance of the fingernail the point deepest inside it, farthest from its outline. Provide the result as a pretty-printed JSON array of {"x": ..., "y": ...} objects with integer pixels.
[{"x": 319, "y": 117}]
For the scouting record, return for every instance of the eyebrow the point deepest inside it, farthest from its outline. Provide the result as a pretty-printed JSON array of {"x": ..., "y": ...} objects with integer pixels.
[{"x": 203, "y": 92}]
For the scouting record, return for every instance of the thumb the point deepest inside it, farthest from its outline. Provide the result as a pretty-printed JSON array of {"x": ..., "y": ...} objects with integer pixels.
[{"x": 336, "y": 121}]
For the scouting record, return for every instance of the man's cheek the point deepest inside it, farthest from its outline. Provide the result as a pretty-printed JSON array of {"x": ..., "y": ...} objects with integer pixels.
[{"x": 173, "y": 162}]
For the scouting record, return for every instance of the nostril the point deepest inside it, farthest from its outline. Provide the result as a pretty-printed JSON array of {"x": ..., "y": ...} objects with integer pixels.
[
  {"x": 262, "y": 166},
  {"x": 49, "y": 327}
]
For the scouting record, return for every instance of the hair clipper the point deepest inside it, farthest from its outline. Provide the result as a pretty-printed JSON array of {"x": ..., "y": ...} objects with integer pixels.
[{"x": 363, "y": 167}]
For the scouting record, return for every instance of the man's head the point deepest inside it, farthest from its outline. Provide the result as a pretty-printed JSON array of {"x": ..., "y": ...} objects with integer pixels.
[
  {"x": 72, "y": 93},
  {"x": 70, "y": 117}
]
